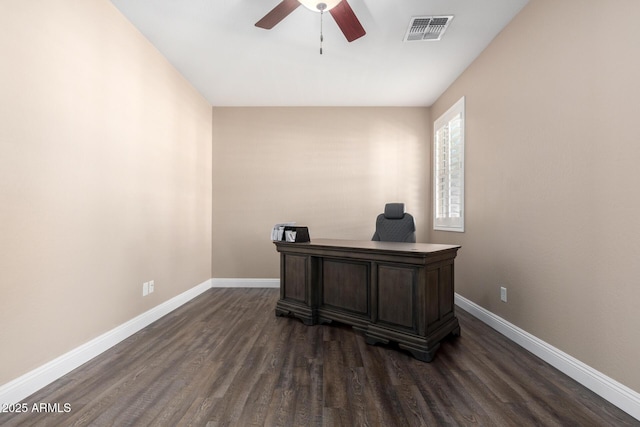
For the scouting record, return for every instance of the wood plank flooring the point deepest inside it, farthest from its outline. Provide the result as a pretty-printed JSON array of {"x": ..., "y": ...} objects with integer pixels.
[{"x": 224, "y": 359}]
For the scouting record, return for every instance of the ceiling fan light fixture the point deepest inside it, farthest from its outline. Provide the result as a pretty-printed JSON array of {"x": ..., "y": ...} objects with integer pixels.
[{"x": 319, "y": 6}]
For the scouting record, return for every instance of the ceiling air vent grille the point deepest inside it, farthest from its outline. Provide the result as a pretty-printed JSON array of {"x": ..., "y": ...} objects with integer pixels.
[{"x": 427, "y": 28}]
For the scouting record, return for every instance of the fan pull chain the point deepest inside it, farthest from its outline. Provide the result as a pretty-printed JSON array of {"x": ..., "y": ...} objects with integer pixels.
[{"x": 321, "y": 36}]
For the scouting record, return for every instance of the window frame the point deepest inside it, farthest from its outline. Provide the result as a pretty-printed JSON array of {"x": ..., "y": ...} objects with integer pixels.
[{"x": 449, "y": 223}]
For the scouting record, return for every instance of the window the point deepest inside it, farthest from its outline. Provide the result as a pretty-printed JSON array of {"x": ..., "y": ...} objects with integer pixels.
[{"x": 448, "y": 169}]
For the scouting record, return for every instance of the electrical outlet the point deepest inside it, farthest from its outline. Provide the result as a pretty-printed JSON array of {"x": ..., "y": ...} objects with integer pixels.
[
  {"x": 152, "y": 285},
  {"x": 503, "y": 294},
  {"x": 145, "y": 289}
]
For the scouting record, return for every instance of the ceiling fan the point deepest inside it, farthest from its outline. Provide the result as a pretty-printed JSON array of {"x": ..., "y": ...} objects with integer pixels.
[{"x": 339, "y": 9}]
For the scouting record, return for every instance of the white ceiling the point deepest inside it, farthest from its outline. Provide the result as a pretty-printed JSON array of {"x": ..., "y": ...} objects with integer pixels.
[{"x": 216, "y": 46}]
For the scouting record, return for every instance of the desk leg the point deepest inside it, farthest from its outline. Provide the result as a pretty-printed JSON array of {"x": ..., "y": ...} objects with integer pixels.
[
  {"x": 423, "y": 352},
  {"x": 302, "y": 312},
  {"x": 423, "y": 348}
]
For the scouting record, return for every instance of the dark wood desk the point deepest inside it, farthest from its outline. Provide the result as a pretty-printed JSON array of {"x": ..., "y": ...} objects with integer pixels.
[{"x": 399, "y": 292}]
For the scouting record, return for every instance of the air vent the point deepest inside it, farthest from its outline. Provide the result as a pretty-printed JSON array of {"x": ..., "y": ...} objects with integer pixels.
[{"x": 427, "y": 28}]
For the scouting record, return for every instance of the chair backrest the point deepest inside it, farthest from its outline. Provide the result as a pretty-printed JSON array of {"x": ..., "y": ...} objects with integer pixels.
[{"x": 394, "y": 225}]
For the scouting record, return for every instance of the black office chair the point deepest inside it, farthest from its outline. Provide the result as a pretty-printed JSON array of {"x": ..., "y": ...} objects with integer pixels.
[{"x": 394, "y": 225}]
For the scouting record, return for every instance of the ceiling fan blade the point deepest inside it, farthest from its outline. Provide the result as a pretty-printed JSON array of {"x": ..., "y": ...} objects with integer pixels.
[
  {"x": 277, "y": 14},
  {"x": 347, "y": 21}
]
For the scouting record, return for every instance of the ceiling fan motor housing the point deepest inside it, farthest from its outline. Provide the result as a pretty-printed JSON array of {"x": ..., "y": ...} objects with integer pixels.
[{"x": 321, "y": 6}]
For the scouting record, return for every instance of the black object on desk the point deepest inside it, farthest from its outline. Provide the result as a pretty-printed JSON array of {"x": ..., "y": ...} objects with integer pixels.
[{"x": 301, "y": 233}]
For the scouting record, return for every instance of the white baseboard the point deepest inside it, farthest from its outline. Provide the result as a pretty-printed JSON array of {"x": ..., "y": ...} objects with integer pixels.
[
  {"x": 245, "y": 283},
  {"x": 22, "y": 387},
  {"x": 618, "y": 394}
]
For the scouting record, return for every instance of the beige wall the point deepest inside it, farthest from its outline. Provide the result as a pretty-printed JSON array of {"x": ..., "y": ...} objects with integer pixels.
[
  {"x": 331, "y": 169},
  {"x": 105, "y": 178},
  {"x": 552, "y": 152}
]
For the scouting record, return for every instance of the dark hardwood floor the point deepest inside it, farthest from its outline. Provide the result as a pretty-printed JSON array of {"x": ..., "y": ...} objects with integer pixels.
[{"x": 224, "y": 359}]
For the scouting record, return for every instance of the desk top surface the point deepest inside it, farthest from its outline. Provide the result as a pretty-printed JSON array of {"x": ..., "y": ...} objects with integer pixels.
[{"x": 369, "y": 245}]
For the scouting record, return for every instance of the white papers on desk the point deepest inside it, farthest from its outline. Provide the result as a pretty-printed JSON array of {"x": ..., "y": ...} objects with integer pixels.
[
  {"x": 290, "y": 236},
  {"x": 278, "y": 230}
]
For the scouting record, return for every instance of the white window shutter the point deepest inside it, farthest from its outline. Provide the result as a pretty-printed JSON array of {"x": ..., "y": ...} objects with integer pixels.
[{"x": 448, "y": 154}]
